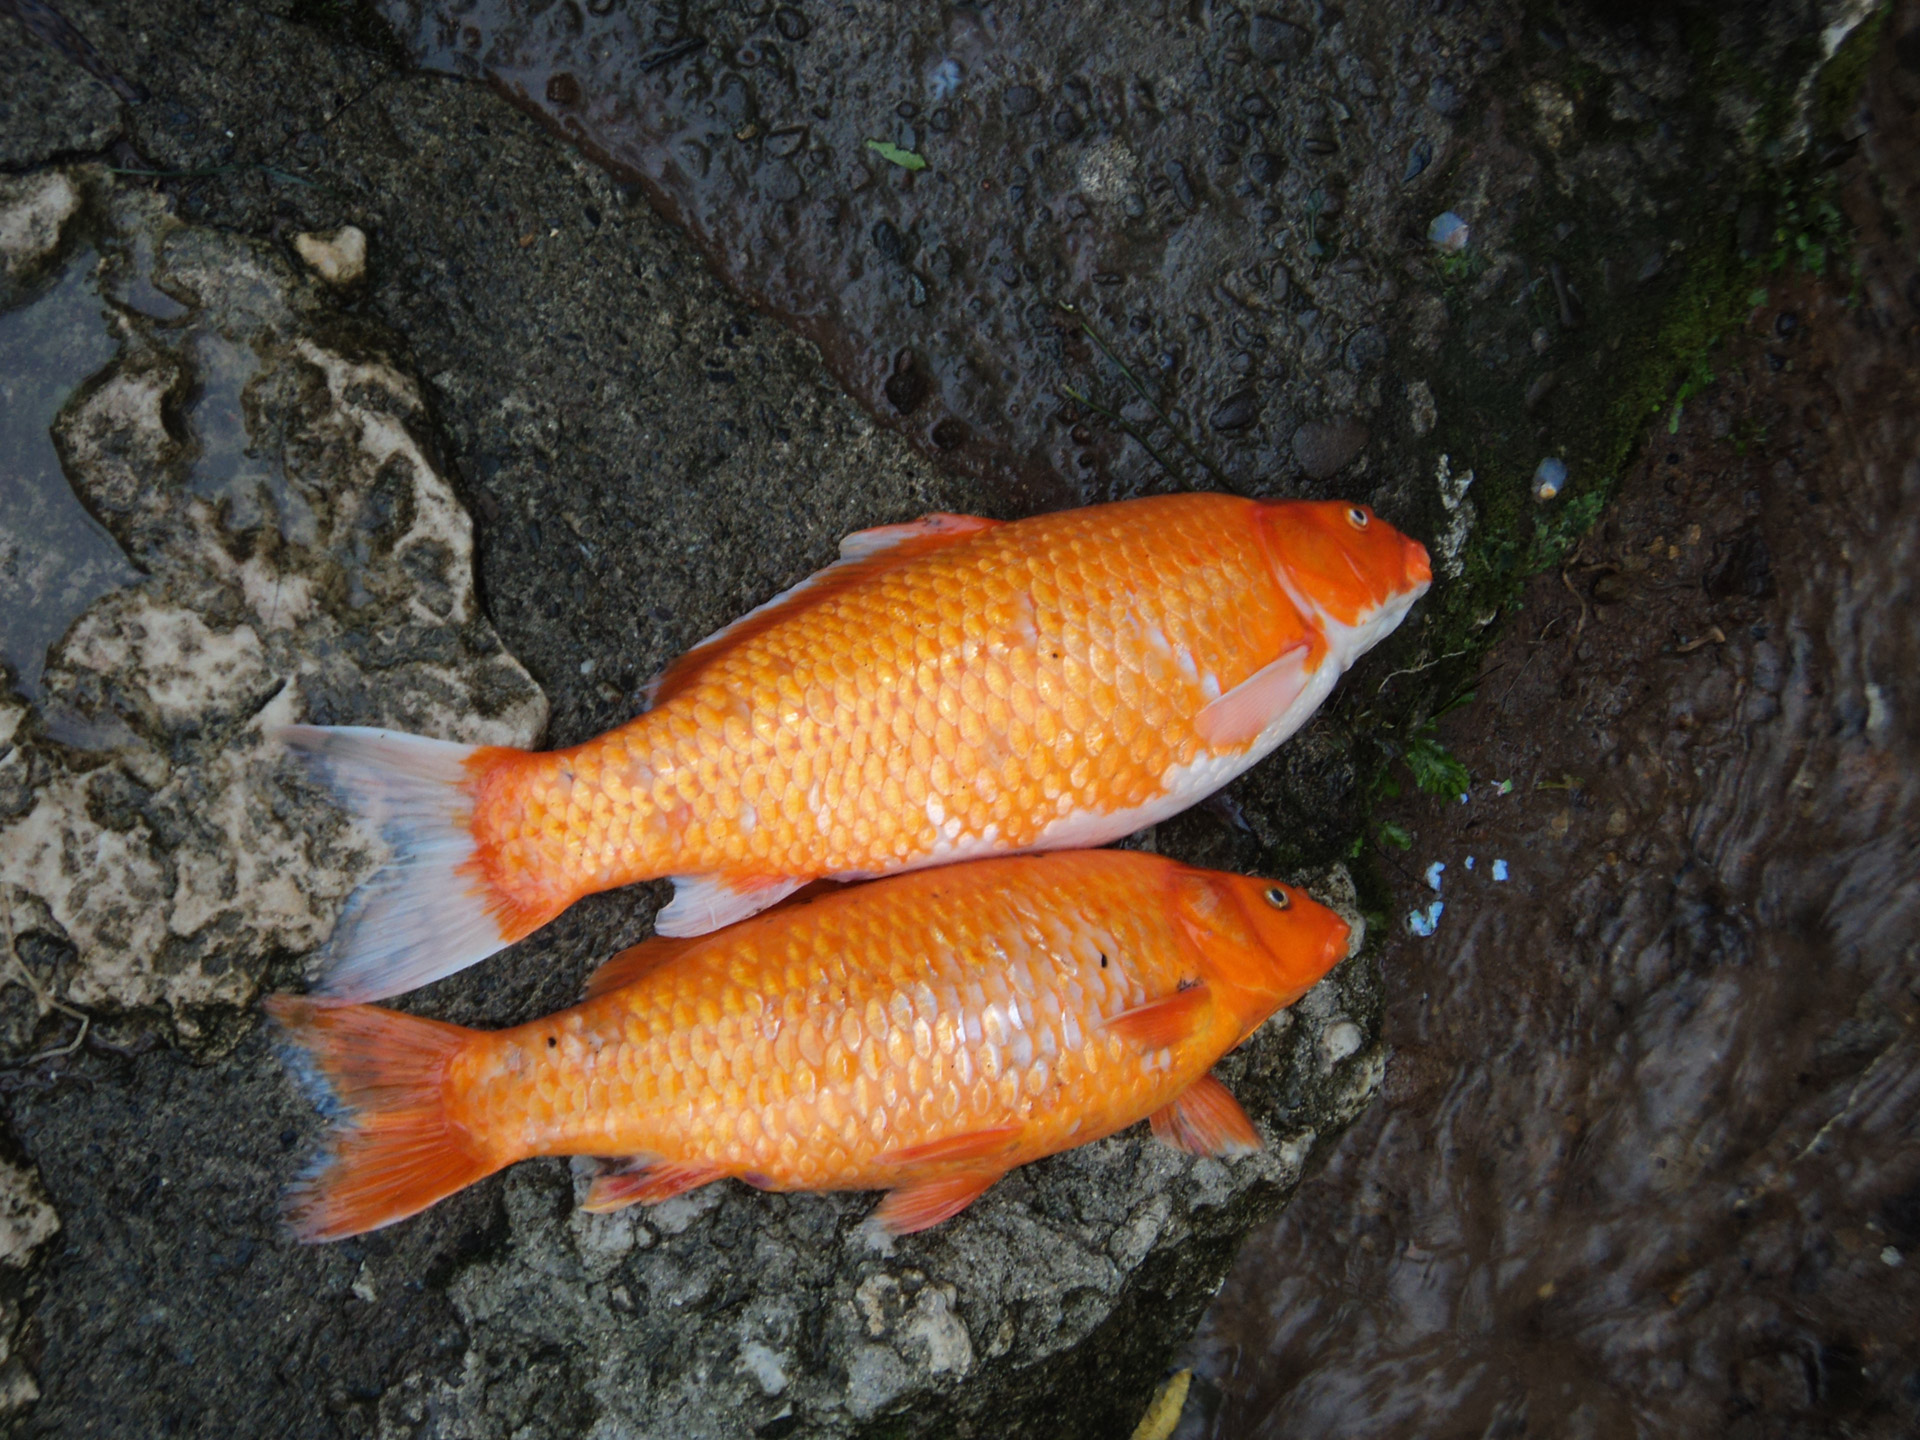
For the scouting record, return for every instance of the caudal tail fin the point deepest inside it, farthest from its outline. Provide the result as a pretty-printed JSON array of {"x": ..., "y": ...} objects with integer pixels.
[
  {"x": 393, "y": 1152},
  {"x": 431, "y": 911}
]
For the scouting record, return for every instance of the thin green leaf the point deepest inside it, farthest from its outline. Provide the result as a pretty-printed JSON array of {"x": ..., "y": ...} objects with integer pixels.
[{"x": 905, "y": 159}]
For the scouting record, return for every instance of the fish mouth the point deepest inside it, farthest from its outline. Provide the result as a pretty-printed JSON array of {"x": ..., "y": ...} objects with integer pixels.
[{"x": 1419, "y": 568}]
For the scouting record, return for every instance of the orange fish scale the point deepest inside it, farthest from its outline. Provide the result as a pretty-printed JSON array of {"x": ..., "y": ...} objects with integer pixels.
[
  {"x": 807, "y": 1045},
  {"x": 1015, "y": 676}
]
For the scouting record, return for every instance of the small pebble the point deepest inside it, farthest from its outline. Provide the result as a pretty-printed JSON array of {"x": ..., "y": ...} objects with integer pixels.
[
  {"x": 1889, "y": 1256},
  {"x": 338, "y": 257},
  {"x": 1448, "y": 231},
  {"x": 1549, "y": 478},
  {"x": 1422, "y": 922},
  {"x": 1342, "y": 1038},
  {"x": 1499, "y": 870}
]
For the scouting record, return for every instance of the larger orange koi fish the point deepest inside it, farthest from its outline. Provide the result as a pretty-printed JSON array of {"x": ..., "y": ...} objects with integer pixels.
[
  {"x": 922, "y": 1035},
  {"x": 950, "y": 688}
]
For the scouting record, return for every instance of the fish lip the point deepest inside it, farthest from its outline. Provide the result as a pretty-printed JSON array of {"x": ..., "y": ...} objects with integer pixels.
[{"x": 1419, "y": 564}]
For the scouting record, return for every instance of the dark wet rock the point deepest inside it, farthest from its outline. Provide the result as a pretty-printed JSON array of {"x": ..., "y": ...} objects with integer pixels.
[
  {"x": 1323, "y": 448},
  {"x": 1236, "y": 412},
  {"x": 1366, "y": 349},
  {"x": 1274, "y": 40},
  {"x": 49, "y": 104}
]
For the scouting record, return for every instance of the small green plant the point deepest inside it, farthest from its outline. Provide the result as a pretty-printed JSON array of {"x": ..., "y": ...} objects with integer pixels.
[
  {"x": 1553, "y": 538},
  {"x": 1809, "y": 233},
  {"x": 1394, "y": 835},
  {"x": 1698, "y": 377},
  {"x": 1433, "y": 766}
]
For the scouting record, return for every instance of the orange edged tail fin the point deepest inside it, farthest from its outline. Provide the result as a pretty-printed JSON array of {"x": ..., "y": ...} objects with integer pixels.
[
  {"x": 393, "y": 1151},
  {"x": 430, "y": 911}
]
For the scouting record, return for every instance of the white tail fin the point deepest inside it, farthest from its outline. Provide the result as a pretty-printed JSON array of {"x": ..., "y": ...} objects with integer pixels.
[{"x": 420, "y": 918}]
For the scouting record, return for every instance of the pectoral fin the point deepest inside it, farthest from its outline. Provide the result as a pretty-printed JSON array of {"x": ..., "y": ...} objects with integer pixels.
[
  {"x": 1204, "y": 1119},
  {"x": 922, "y": 1204},
  {"x": 1163, "y": 1023},
  {"x": 647, "y": 1182},
  {"x": 1238, "y": 716}
]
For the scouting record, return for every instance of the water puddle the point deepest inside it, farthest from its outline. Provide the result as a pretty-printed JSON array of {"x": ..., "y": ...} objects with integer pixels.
[
  {"x": 1647, "y": 1162},
  {"x": 55, "y": 558}
]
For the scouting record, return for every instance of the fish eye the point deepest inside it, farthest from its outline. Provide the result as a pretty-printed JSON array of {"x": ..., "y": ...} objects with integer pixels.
[
  {"x": 1278, "y": 898},
  {"x": 1357, "y": 517}
]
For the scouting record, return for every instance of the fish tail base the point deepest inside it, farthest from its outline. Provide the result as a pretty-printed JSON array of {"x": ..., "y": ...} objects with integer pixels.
[
  {"x": 393, "y": 1151},
  {"x": 432, "y": 910}
]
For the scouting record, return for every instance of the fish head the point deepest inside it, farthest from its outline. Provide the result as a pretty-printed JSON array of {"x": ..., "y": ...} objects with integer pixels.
[
  {"x": 1344, "y": 566},
  {"x": 1261, "y": 944}
]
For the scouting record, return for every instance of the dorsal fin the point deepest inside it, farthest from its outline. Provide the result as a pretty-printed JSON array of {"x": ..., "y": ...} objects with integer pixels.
[
  {"x": 863, "y": 554},
  {"x": 636, "y": 960}
]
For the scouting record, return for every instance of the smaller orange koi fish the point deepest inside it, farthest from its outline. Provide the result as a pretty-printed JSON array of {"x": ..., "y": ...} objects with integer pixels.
[{"x": 923, "y": 1035}]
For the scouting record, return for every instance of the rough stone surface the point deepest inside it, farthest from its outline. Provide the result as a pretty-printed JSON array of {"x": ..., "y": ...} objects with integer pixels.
[
  {"x": 49, "y": 105},
  {"x": 300, "y": 557},
  {"x": 645, "y": 458},
  {"x": 34, "y": 209}
]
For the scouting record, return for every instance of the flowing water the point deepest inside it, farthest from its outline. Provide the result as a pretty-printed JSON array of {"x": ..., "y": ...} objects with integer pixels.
[{"x": 1648, "y": 1161}]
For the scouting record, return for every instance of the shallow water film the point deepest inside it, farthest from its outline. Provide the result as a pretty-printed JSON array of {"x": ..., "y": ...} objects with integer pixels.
[{"x": 1648, "y": 1157}]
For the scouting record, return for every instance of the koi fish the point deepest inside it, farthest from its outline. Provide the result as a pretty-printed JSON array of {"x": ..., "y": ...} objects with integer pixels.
[
  {"x": 948, "y": 689},
  {"x": 922, "y": 1035}
]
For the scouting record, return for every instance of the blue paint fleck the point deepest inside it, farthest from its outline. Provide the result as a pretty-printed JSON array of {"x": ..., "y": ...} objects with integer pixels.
[
  {"x": 944, "y": 80},
  {"x": 1499, "y": 869},
  {"x": 1422, "y": 922},
  {"x": 1433, "y": 875}
]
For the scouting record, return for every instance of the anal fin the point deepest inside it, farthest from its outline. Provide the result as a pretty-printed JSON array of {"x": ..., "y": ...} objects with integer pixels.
[
  {"x": 1166, "y": 1022},
  {"x": 921, "y": 1204},
  {"x": 1204, "y": 1119},
  {"x": 647, "y": 1183},
  {"x": 1239, "y": 716},
  {"x": 703, "y": 903}
]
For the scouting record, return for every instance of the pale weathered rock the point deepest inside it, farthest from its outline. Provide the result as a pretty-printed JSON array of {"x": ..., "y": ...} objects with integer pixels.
[
  {"x": 338, "y": 257},
  {"x": 302, "y": 558},
  {"x": 33, "y": 211}
]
